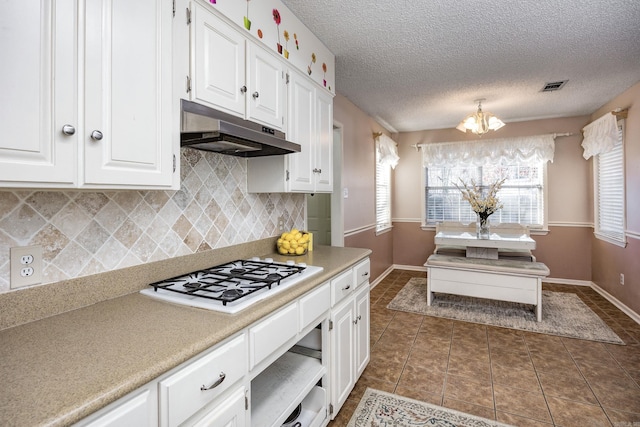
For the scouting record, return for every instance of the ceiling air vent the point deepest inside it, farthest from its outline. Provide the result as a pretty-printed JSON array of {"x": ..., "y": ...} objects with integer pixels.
[{"x": 550, "y": 87}]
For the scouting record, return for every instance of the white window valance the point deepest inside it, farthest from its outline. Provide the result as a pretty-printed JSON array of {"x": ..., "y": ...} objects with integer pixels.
[
  {"x": 538, "y": 148},
  {"x": 388, "y": 150},
  {"x": 600, "y": 136}
]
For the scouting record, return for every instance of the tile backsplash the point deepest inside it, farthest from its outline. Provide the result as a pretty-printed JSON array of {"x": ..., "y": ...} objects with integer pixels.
[{"x": 88, "y": 232}]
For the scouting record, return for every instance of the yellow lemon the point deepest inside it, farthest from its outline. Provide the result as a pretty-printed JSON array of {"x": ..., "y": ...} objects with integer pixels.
[
  {"x": 299, "y": 250},
  {"x": 283, "y": 251},
  {"x": 294, "y": 231}
]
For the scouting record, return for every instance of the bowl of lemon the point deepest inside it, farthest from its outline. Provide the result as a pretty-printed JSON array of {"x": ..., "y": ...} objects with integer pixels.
[{"x": 293, "y": 242}]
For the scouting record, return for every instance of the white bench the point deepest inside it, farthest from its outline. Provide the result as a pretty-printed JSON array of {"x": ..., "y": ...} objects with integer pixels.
[{"x": 500, "y": 279}]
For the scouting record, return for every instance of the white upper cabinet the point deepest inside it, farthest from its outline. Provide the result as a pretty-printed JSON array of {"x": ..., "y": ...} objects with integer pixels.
[
  {"x": 310, "y": 124},
  {"x": 232, "y": 74},
  {"x": 87, "y": 97},
  {"x": 127, "y": 69},
  {"x": 323, "y": 159},
  {"x": 38, "y": 41},
  {"x": 217, "y": 62},
  {"x": 266, "y": 87}
]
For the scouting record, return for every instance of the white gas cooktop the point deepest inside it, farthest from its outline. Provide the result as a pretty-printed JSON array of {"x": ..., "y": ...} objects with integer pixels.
[{"x": 233, "y": 286}]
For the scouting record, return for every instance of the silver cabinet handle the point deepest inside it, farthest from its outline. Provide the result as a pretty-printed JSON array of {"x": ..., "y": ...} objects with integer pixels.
[
  {"x": 243, "y": 89},
  {"x": 215, "y": 384},
  {"x": 347, "y": 288},
  {"x": 96, "y": 135},
  {"x": 68, "y": 130},
  {"x": 355, "y": 322},
  {"x": 255, "y": 95},
  {"x": 316, "y": 170},
  {"x": 365, "y": 274}
]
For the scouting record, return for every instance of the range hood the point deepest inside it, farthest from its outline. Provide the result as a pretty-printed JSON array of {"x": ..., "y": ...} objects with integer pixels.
[{"x": 204, "y": 128}]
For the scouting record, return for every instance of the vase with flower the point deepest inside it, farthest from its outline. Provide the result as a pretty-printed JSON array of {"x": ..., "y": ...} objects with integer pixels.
[{"x": 484, "y": 204}]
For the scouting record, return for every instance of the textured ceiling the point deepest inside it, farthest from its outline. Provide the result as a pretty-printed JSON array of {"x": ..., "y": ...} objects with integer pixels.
[{"x": 420, "y": 64}]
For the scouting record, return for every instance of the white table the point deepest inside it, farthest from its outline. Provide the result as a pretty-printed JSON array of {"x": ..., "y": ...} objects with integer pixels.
[{"x": 484, "y": 248}]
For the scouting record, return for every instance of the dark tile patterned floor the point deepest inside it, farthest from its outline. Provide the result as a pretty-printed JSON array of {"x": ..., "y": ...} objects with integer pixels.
[{"x": 515, "y": 377}]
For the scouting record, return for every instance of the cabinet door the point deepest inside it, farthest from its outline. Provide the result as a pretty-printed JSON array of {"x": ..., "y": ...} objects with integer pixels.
[
  {"x": 362, "y": 353},
  {"x": 38, "y": 82},
  {"x": 229, "y": 413},
  {"x": 301, "y": 126},
  {"x": 127, "y": 132},
  {"x": 132, "y": 412},
  {"x": 323, "y": 163},
  {"x": 342, "y": 354},
  {"x": 217, "y": 62},
  {"x": 266, "y": 88}
]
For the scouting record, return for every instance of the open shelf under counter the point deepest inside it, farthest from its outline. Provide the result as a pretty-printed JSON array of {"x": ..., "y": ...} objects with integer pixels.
[{"x": 277, "y": 391}]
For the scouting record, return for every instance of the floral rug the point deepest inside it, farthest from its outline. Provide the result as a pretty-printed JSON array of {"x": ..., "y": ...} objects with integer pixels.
[
  {"x": 380, "y": 409},
  {"x": 563, "y": 314}
]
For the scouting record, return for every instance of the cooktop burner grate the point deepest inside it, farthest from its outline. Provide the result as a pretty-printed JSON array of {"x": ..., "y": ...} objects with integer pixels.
[{"x": 230, "y": 281}]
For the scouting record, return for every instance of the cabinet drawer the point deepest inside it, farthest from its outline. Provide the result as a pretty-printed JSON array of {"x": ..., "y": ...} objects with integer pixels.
[
  {"x": 181, "y": 395},
  {"x": 271, "y": 333},
  {"x": 361, "y": 272},
  {"x": 314, "y": 304},
  {"x": 342, "y": 286}
]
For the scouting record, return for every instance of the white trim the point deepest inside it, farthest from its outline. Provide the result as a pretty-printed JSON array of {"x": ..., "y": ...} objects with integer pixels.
[
  {"x": 406, "y": 220},
  {"x": 381, "y": 277},
  {"x": 348, "y": 233},
  {"x": 570, "y": 224},
  {"x": 384, "y": 230},
  {"x": 613, "y": 300},
  {"x": 410, "y": 267},
  {"x": 337, "y": 201},
  {"x": 574, "y": 282},
  {"x": 609, "y": 239},
  {"x": 632, "y": 234}
]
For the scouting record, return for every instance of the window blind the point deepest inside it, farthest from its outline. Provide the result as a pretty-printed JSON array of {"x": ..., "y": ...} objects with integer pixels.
[
  {"x": 610, "y": 221},
  {"x": 383, "y": 194}
]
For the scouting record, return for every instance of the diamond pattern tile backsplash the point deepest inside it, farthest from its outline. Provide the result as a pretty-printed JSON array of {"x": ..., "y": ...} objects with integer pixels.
[{"x": 84, "y": 233}]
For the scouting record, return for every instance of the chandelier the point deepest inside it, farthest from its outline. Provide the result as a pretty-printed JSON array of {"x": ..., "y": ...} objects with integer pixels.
[{"x": 480, "y": 122}]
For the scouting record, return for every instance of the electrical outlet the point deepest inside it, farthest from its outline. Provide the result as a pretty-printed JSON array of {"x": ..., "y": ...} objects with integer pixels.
[
  {"x": 281, "y": 223},
  {"x": 26, "y": 266},
  {"x": 621, "y": 279}
]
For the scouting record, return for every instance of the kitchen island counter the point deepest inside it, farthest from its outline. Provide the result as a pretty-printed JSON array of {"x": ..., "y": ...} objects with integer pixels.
[{"x": 60, "y": 369}]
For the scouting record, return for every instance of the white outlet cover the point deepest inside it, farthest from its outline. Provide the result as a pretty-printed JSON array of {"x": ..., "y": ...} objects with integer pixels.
[{"x": 18, "y": 256}]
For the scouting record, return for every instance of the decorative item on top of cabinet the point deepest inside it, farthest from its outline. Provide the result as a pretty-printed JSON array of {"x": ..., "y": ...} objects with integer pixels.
[
  {"x": 233, "y": 74},
  {"x": 310, "y": 124},
  {"x": 125, "y": 139}
]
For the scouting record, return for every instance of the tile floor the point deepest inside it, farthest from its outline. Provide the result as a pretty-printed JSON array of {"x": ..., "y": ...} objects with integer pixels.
[{"x": 515, "y": 377}]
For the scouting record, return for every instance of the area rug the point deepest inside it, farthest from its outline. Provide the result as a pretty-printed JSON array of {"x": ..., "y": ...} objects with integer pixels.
[
  {"x": 380, "y": 409},
  {"x": 563, "y": 314}
]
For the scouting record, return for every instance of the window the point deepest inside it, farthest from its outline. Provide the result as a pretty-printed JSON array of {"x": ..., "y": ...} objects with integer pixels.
[
  {"x": 522, "y": 194},
  {"x": 609, "y": 192},
  {"x": 383, "y": 194}
]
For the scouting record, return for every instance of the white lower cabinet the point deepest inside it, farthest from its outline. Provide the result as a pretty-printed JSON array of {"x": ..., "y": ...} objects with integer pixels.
[
  {"x": 137, "y": 409},
  {"x": 350, "y": 347},
  {"x": 231, "y": 412},
  {"x": 290, "y": 361},
  {"x": 185, "y": 392}
]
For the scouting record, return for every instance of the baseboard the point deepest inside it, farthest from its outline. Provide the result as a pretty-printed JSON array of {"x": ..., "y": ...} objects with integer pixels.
[
  {"x": 381, "y": 277},
  {"x": 410, "y": 267},
  {"x": 574, "y": 282},
  {"x": 613, "y": 300}
]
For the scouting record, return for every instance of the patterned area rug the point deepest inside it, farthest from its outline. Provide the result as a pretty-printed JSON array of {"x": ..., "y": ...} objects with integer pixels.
[
  {"x": 563, "y": 314},
  {"x": 381, "y": 409}
]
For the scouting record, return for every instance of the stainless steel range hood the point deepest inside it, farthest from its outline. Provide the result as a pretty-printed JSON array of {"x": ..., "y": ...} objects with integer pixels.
[{"x": 204, "y": 128}]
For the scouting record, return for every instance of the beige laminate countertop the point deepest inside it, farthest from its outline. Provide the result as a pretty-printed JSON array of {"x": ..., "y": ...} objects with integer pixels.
[{"x": 57, "y": 370}]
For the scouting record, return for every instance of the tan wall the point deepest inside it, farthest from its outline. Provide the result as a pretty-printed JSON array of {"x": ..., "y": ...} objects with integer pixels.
[
  {"x": 569, "y": 200},
  {"x": 608, "y": 260},
  {"x": 358, "y": 174}
]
